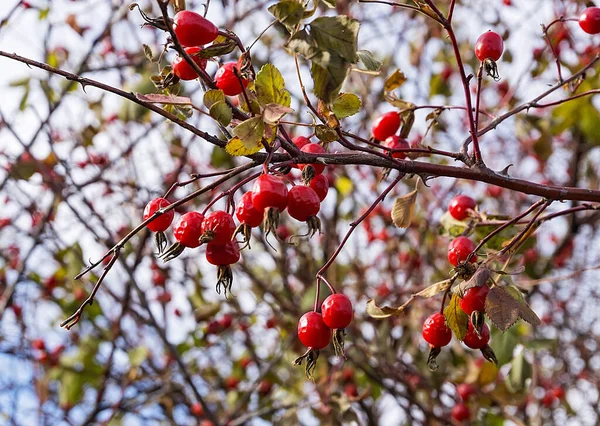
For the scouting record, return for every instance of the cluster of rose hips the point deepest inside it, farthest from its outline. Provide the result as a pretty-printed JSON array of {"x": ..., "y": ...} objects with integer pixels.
[
  {"x": 384, "y": 129},
  {"x": 435, "y": 331},
  {"x": 460, "y": 412},
  {"x": 193, "y": 32}
]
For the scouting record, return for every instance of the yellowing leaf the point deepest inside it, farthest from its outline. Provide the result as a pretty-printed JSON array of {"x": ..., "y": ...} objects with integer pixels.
[
  {"x": 288, "y": 12},
  {"x": 250, "y": 131},
  {"x": 487, "y": 374},
  {"x": 344, "y": 185},
  {"x": 221, "y": 112},
  {"x": 275, "y": 112},
  {"x": 403, "y": 209},
  {"x": 325, "y": 134},
  {"x": 394, "y": 81},
  {"x": 270, "y": 87},
  {"x": 213, "y": 96},
  {"x": 456, "y": 319},
  {"x": 346, "y": 105},
  {"x": 157, "y": 98},
  {"x": 237, "y": 147},
  {"x": 377, "y": 312}
]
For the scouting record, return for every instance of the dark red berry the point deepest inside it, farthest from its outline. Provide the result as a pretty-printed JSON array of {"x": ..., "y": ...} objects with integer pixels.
[
  {"x": 303, "y": 202},
  {"x": 396, "y": 142},
  {"x": 300, "y": 141},
  {"x": 188, "y": 229},
  {"x": 223, "y": 255},
  {"x": 473, "y": 341},
  {"x": 489, "y": 46},
  {"x": 193, "y": 29},
  {"x": 459, "y": 250},
  {"x": 247, "y": 213},
  {"x": 435, "y": 331},
  {"x": 38, "y": 344},
  {"x": 196, "y": 409},
  {"x": 460, "y": 205},
  {"x": 386, "y": 125},
  {"x": 460, "y": 412},
  {"x": 265, "y": 387},
  {"x": 313, "y": 148},
  {"x": 337, "y": 311},
  {"x": 232, "y": 382},
  {"x": 351, "y": 390},
  {"x": 589, "y": 21},
  {"x": 218, "y": 227},
  {"x": 227, "y": 81},
  {"x": 320, "y": 184},
  {"x": 474, "y": 299},
  {"x": 159, "y": 278},
  {"x": 466, "y": 390},
  {"x": 162, "y": 222},
  {"x": 269, "y": 191},
  {"x": 313, "y": 332},
  {"x": 182, "y": 69}
]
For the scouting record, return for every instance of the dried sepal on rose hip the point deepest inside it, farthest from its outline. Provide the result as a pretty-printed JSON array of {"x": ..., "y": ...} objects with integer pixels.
[
  {"x": 249, "y": 217},
  {"x": 315, "y": 335},
  {"x": 223, "y": 256},
  {"x": 161, "y": 223},
  {"x": 187, "y": 231},
  {"x": 437, "y": 334},
  {"x": 478, "y": 337},
  {"x": 217, "y": 227},
  {"x": 303, "y": 205},
  {"x": 270, "y": 194},
  {"x": 309, "y": 171},
  {"x": 337, "y": 314}
]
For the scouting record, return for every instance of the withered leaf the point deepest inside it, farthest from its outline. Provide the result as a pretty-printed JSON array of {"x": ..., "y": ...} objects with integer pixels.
[
  {"x": 377, "y": 312},
  {"x": 479, "y": 278},
  {"x": 434, "y": 289},
  {"x": 502, "y": 308},
  {"x": 403, "y": 209}
]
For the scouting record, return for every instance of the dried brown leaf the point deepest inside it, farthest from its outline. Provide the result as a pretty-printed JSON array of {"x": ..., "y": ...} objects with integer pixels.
[
  {"x": 502, "y": 308},
  {"x": 375, "y": 311},
  {"x": 403, "y": 209}
]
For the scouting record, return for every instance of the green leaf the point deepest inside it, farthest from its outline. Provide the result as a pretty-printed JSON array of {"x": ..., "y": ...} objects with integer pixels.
[
  {"x": 213, "y": 96},
  {"x": 70, "y": 390},
  {"x": 270, "y": 87},
  {"x": 328, "y": 81},
  {"x": 325, "y": 133},
  {"x": 221, "y": 112},
  {"x": 337, "y": 34},
  {"x": 452, "y": 226},
  {"x": 288, "y": 12},
  {"x": 217, "y": 49},
  {"x": 250, "y": 131},
  {"x": 346, "y": 105},
  {"x": 456, "y": 319},
  {"x": 148, "y": 52},
  {"x": 520, "y": 372},
  {"x": 368, "y": 60},
  {"x": 504, "y": 344},
  {"x": 137, "y": 356}
]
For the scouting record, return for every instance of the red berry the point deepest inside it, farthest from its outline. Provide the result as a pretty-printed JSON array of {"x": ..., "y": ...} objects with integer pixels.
[
  {"x": 474, "y": 299},
  {"x": 218, "y": 227},
  {"x": 158, "y": 277},
  {"x": 245, "y": 362},
  {"x": 182, "y": 69},
  {"x": 226, "y": 321},
  {"x": 271, "y": 323},
  {"x": 589, "y": 21},
  {"x": 351, "y": 390},
  {"x": 227, "y": 81},
  {"x": 320, "y": 184},
  {"x": 18, "y": 310},
  {"x": 162, "y": 222},
  {"x": 489, "y": 46},
  {"x": 269, "y": 191},
  {"x": 460, "y": 412},
  {"x": 549, "y": 399},
  {"x": 164, "y": 297},
  {"x": 435, "y": 331},
  {"x": 313, "y": 332},
  {"x": 188, "y": 229},
  {"x": 265, "y": 387},
  {"x": 313, "y": 148},
  {"x": 223, "y": 255},
  {"x": 247, "y": 213},
  {"x": 38, "y": 344},
  {"x": 232, "y": 382},
  {"x": 460, "y": 205},
  {"x": 193, "y": 29},
  {"x": 558, "y": 392},
  {"x": 459, "y": 249},
  {"x": 348, "y": 374},
  {"x": 386, "y": 125},
  {"x": 300, "y": 141},
  {"x": 473, "y": 341},
  {"x": 466, "y": 390},
  {"x": 396, "y": 142},
  {"x": 337, "y": 311},
  {"x": 303, "y": 202},
  {"x": 196, "y": 409}
]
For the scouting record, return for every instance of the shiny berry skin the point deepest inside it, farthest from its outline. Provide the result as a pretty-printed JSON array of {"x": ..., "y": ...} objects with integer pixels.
[
  {"x": 303, "y": 202},
  {"x": 182, "y": 69},
  {"x": 466, "y": 390},
  {"x": 162, "y": 222},
  {"x": 300, "y": 141},
  {"x": 269, "y": 191},
  {"x": 247, "y": 213},
  {"x": 196, "y": 409},
  {"x": 193, "y": 29},
  {"x": 227, "y": 81},
  {"x": 460, "y": 205},
  {"x": 459, "y": 249},
  {"x": 473, "y": 341},
  {"x": 386, "y": 125},
  {"x": 313, "y": 148},
  {"x": 313, "y": 332},
  {"x": 589, "y": 21},
  {"x": 337, "y": 311},
  {"x": 188, "y": 229},
  {"x": 460, "y": 412},
  {"x": 221, "y": 225},
  {"x": 320, "y": 184},
  {"x": 474, "y": 299},
  {"x": 396, "y": 142},
  {"x": 435, "y": 331},
  {"x": 223, "y": 255},
  {"x": 489, "y": 46}
]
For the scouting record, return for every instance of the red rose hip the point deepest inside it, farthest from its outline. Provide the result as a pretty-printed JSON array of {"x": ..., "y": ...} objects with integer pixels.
[
  {"x": 460, "y": 205},
  {"x": 337, "y": 311},
  {"x": 489, "y": 46},
  {"x": 313, "y": 332},
  {"x": 182, "y": 69},
  {"x": 396, "y": 142},
  {"x": 303, "y": 202},
  {"x": 188, "y": 229},
  {"x": 386, "y": 125},
  {"x": 162, "y": 222},
  {"x": 459, "y": 250},
  {"x": 589, "y": 21},
  {"x": 193, "y": 29},
  {"x": 435, "y": 331},
  {"x": 474, "y": 299},
  {"x": 227, "y": 81}
]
